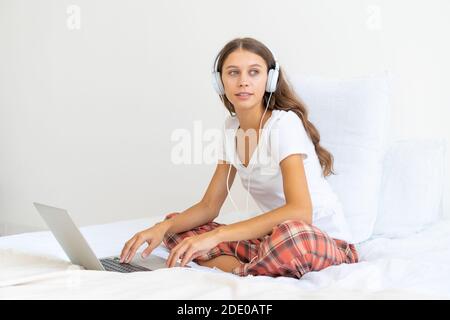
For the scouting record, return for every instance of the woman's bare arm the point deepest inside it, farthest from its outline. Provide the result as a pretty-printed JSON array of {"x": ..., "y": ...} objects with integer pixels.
[
  {"x": 298, "y": 206},
  {"x": 208, "y": 208}
]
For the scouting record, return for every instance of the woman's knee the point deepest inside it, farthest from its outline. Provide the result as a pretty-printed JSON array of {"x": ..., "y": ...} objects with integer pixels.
[{"x": 292, "y": 234}]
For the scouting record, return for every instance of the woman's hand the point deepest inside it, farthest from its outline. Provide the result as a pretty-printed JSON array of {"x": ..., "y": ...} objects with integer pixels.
[
  {"x": 193, "y": 247},
  {"x": 153, "y": 236}
]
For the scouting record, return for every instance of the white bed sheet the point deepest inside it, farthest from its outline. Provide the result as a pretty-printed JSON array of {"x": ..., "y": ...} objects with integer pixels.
[{"x": 33, "y": 266}]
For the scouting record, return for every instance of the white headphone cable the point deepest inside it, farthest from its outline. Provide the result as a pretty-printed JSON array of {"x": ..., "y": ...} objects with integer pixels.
[
  {"x": 251, "y": 168},
  {"x": 229, "y": 168},
  {"x": 257, "y": 149}
]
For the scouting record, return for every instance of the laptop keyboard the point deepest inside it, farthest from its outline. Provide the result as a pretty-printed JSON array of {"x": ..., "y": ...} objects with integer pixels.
[{"x": 113, "y": 264}]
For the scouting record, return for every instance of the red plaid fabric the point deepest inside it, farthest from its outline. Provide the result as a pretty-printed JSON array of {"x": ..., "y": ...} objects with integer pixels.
[{"x": 292, "y": 249}]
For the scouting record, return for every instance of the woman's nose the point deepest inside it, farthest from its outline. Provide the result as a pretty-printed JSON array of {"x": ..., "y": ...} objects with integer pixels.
[{"x": 243, "y": 82}]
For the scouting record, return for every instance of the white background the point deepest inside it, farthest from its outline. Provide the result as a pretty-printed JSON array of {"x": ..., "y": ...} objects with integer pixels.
[{"x": 86, "y": 114}]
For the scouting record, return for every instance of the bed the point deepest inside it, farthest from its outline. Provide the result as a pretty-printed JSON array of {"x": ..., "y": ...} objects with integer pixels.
[{"x": 33, "y": 266}]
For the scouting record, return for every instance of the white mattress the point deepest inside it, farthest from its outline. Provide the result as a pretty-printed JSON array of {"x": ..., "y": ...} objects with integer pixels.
[{"x": 33, "y": 266}]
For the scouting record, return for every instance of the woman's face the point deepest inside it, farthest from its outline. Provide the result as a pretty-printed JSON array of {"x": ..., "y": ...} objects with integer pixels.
[{"x": 244, "y": 72}]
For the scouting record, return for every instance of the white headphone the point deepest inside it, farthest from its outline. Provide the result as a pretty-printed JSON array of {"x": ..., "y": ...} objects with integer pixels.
[{"x": 271, "y": 85}]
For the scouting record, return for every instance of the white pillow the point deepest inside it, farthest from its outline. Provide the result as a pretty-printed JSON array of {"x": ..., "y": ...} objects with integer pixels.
[
  {"x": 412, "y": 187},
  {"x": 352, "y": 117}
]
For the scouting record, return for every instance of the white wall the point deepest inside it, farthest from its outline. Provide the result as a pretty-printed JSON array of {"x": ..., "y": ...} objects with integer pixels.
[{"x": 86, "y": 114}]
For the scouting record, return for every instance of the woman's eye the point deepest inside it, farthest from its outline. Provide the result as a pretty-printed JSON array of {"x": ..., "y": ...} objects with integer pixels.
[{"x": 254, "y": 72}]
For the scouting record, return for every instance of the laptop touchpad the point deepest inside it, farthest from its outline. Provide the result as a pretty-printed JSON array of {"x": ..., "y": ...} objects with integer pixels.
[{"x": 152, "y": 262}]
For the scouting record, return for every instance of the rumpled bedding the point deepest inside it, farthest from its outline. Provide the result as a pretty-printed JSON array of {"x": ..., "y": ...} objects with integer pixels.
[{"x": 34, "y": 266}]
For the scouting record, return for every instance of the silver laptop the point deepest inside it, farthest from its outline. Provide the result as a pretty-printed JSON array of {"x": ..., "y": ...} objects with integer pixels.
[{"x": 79, "y": 252}]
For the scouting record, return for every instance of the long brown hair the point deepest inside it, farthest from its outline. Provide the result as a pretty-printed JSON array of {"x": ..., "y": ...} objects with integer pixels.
[{"x": 284, "y": 97}]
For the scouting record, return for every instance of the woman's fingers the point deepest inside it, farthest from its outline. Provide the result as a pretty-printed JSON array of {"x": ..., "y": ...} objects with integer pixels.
[
  {"x": 126, "y": 249},
  {"x": 171, "y": 254},
  {"x": 148, "y": 250},
  {"x": 187, "y": 256},
  {"x": 175, "y": 253},
  {"x": 137, "y": 243}
]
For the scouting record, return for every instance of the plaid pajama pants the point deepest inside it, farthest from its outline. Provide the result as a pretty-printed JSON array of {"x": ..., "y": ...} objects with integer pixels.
[{"x": 292, "y": 249}]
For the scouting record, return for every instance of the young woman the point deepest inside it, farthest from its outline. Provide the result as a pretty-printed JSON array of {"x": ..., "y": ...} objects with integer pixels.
[{"x": 302, "y": 227}]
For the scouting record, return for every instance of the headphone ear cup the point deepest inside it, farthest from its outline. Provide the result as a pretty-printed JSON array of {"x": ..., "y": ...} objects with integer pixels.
[
  {"x": 272, "y": 79},
  {"x": 217, "y": 83}
]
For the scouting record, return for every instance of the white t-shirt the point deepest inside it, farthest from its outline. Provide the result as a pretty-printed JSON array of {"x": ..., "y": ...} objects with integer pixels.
[{"x": 284, "y": 134}]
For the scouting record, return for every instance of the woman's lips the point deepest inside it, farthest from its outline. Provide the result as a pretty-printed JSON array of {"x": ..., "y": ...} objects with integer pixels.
[{"x": 244, "y": 96}]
